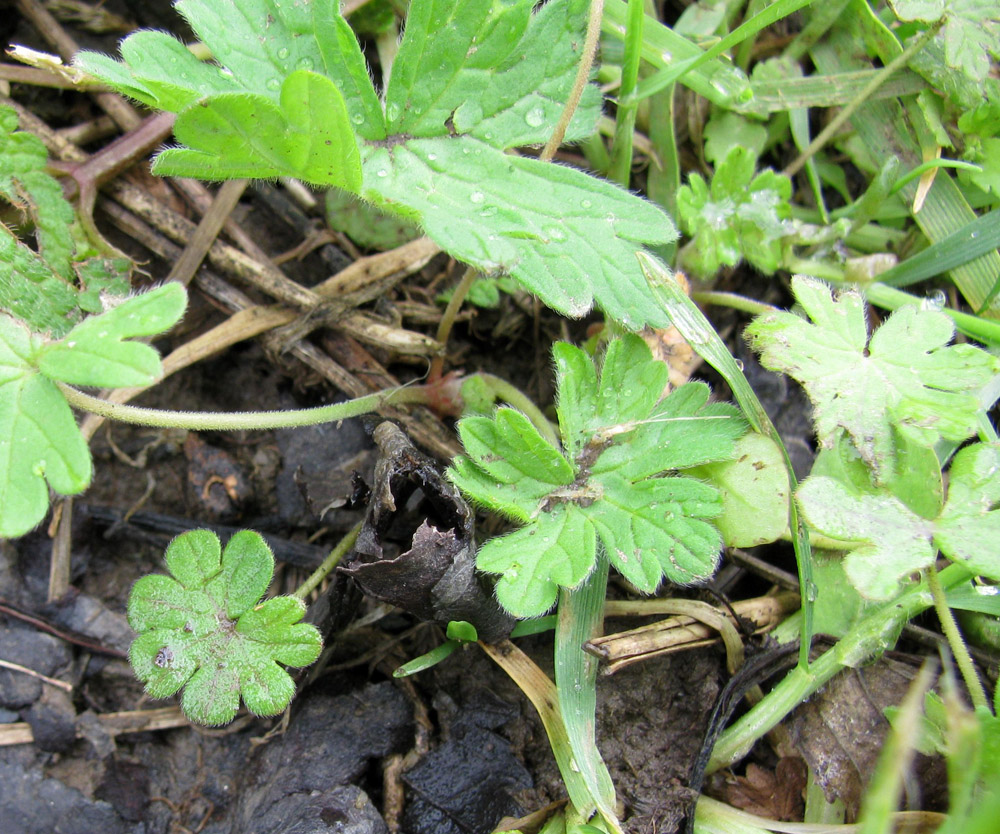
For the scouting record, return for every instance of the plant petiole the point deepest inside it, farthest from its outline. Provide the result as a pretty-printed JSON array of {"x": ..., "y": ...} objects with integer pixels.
[
  {"x": 958, "y": 648},
  {"x": 241, "y": 421},
  {"x": 871, "y": 636},
  {"x": 342, "y": 548}
]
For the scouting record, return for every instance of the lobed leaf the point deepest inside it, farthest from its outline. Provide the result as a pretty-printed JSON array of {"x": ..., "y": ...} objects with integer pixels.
[
  {"x": 204, "y": 629},
  {"x": 493, "y": 71},
  {"x": 558, "y": 550},
  {"x": 26, "y": 183},
  {"x": 906, "y": 375},
  {"x": 968, "y": 528},
  {"x": 40, "y": 445},
  {"x": 96, "y": 351},
  {"x": 619, "y": 436}
]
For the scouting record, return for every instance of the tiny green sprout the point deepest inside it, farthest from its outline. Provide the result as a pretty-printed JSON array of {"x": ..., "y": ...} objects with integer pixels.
[{"x": 205, "y": 629}]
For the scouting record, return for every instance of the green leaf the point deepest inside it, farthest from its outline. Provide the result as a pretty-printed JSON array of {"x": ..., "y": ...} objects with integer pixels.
[
  {"x": 557, "y": 550},
  {"x": 25, "y": 182},
  {"x": 565, "y": 236},
  {"x": 39, "y": 439},
  {"x": 308, "y": 134},
  {"x": 521, "y": 466},
  {"x": 619, "y": 434},
  {"x": 905, "y": 375},
  {"x": 739, "y": 216},
  {"x": 204, "y": 630},
  {"x": 895, "y": 541},
  {"x": 887, "y": 540},
  {"x": 754, "y": 490},
  {"x": 494, "y": 71},
  {"x": 364, "y": 224},
  {"x": 969, "y": 526},
  {"x": 971, "y": 31},
  {"x": 657, "y": 527},
  {"x": 96, "y": 352},
  {"x": 469, "y": 81}
]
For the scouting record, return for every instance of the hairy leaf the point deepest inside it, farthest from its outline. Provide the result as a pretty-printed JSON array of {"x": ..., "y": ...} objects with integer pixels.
[
  {"x": 40, "y": 445},
  {"x": 738, "y": 216},
  {"x": 905, "y": 375},
  {"x": 25, "y": 182},
  {"x": 565, "y": 236},
  {"x": 96, "y": 352},
  {"x": 622, "y": 441},
  {"x": 204, "y": 630},
  {"x": 887, "y": 541},
  {"x": 493, "y": 71},
  {"x": 470, "y": 80}
]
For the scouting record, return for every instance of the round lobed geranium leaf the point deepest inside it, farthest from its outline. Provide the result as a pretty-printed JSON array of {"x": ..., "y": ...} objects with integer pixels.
[{"x": 207, "y": 631}]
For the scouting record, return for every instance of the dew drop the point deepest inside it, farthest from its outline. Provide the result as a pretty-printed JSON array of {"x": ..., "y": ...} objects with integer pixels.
[
  {"x": 304, "y": 63},
  {"x": 556, "y": 233},
  {"x": 812, "y": 591},
  {"x": 358, "y": 119},
  {"x": 381, "y": 172},
  {"x": 489, "y": 211},
  {"x": 585, "y": 204},
  {"x": 739, "y": 364},
  {"x": 392, "y": 112},
  {"x": 936, "y": 301},
  {"x": 273, "y": 84},
  {"x": 431, "y": 157},
  {"x": 477, "y": 197},
  {"x": 283, "y": 54},
  {"x": 535, "y": 117}
]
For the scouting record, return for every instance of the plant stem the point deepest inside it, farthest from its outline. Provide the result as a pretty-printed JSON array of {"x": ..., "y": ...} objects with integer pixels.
[
  {"x": 329, "y": 563},
  {"x": 733, "y": 301},
  {"x": 448, "y": 319},
  {"x": 958, "y": 648},
  {"x": 873, "y": 634},
  {"x": 241, "y": 420},
  {"x": 580, "y": 82},
  {"x": 862, "y": 97}
]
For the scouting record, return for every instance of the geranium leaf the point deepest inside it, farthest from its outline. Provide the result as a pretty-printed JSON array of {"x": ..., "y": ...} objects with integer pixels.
[
  {"x": 650, "y": 527},
  {"x": 204, "y": 629},
  {"x": 97, "y": 351},
  {"x": 905, "y": 375}
]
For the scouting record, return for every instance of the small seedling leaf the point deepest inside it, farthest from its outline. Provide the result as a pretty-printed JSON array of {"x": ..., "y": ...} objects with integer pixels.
[
  {"x": 205, "y": 629},
  {"x": 906, "y": 375},
  {"x": 621, "y": 436},
  {"x": 738, "y": 216},
  {"x": 96, "y": 351}
]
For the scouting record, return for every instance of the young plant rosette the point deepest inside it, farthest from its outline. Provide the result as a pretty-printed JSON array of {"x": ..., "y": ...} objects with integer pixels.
[{"x": 204, "y": 628}]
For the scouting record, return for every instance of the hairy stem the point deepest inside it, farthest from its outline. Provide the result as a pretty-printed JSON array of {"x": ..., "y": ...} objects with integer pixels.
[
  {"x": 237, "y": 420},
  {"x": 958, "y": 648},
  {"x": 580, "y": 82}
]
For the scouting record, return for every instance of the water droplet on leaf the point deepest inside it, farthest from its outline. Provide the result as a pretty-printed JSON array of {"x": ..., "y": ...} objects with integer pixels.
[
  {"x": 477, "y": 197},
  {"x": 358, "y": 119},
  {"x": 283, "y": 54},
  {"x": 304, "y": 63},
  {"x": 273, "y": 84},
  {"x": 535, "y": 117}
]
